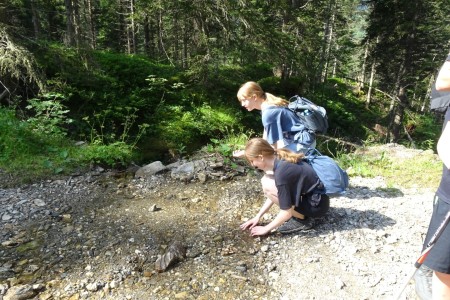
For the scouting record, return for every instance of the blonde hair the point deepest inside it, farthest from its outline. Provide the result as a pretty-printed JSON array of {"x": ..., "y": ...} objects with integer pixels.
[
  {"x": 251, "y": 88},
  {"x": 258, "y": 146}
]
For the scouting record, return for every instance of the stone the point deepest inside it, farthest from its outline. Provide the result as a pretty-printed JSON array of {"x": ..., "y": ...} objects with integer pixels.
[
  {"x": 20, "y": 292},
  {"x": 149, "y": 170}
]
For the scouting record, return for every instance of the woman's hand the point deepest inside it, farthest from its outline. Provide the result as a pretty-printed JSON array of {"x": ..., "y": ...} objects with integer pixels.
[
  {"x": 259, "y": 230},
  {"x": 239, "y": 153},
  {"x": 250, "y": 223}
]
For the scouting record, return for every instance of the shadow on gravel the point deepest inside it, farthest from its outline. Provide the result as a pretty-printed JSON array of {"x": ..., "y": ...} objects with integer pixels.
[
  {"x": 364, "y": 192},
  {"x": 343, "y": 219}
]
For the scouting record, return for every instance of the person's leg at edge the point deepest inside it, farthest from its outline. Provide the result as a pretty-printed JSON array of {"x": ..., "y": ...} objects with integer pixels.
[
  {"x": 438, "y": 258},
  {"x": 271, "y": 192},
  {"x": 441, "y": 286}
]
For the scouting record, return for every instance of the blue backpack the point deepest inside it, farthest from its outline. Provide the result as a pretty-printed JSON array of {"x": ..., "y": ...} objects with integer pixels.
[
  {"x": 313, "y": 116},
  {"x": 334, "y": 179}
]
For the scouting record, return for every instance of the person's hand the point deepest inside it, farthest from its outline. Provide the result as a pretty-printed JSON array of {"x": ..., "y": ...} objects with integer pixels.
[
  {"x": 239, "y": 153},
  {"x": 259, "y": 230},
  {"x": 250, "y": 223}
]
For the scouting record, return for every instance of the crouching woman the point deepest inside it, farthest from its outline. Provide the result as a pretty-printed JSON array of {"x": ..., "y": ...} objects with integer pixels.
[{"x": 298, "y": 186}]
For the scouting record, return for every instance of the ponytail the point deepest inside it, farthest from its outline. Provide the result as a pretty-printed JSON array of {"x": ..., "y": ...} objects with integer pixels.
[
  {"x": 289, "y": 156},
  {"x": 258, "y": 146},
  {"x": 251, "y": 88}
]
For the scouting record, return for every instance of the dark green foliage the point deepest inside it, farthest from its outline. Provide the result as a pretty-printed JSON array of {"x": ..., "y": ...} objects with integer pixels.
[
  {"x": 424, "y": 130},
  {"x": 347, "y": 114},
  {"x": 16, "y": 137},
  {"x": 29, "y": 152},
  {"x": 153, "y": 80},
  {"x": 32, "y": 154},
  {"x": 118, "y": 88}
]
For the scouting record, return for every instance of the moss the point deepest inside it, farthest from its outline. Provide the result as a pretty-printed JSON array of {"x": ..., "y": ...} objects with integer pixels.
[{"x": 29, "y": 246}]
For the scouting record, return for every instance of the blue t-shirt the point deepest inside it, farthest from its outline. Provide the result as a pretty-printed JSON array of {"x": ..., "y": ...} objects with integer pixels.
[
  {"x": 444, "y": 187},
  {"x": 280, "y": 123}
]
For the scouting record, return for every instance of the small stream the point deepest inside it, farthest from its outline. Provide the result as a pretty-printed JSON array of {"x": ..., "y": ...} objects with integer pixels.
[{"x": 105, "y": 243}]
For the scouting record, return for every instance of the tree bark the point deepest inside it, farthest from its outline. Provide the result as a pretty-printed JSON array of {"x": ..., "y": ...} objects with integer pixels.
[
  {"x": 328, "y": 37},
  {"x": 90, "y": 26},
  {"x": 398, "y": 113},
  {"x": 77, "y": 23},
  {"x": 70, "y": 27},
  {"x": 369, "y": 91},
  {"x": 185, "y": 46},
  {"x": 146, "y": 26},
  {"x": 35, "y": 19},
  {"x": 362, "y": 80},
  {"x": 132, "y": 27}
]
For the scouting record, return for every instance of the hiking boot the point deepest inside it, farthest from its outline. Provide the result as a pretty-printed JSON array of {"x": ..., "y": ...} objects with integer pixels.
[
  {"x": 422, "y": 280},
  {"x": 295, "y": 224}
]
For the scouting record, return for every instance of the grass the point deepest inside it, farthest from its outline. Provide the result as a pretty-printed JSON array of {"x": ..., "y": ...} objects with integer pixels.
[
  {"x": 402, "y": 168},
  {"x": 30, "y": 156},
  {"x": 227, "y": 145}
]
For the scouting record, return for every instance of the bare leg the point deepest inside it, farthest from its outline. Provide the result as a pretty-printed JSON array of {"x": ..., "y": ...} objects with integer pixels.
[
  {"x": 441, "y": 286},
  {"x": 269, "y": 188}
]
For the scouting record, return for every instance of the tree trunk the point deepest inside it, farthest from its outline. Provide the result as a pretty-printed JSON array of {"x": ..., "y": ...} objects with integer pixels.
[
  {"x": 77, "y": 23},
  {"x": 146, "y": 26},
  {"x": 70, "y": 27},
  {"x": 369, "y": 92},
  {"x": 372, "y": 73},
  {"x": 132, "y": 27},
  {"x": 176, "y": 45},
  {"x": 126, "y": 7},
  {"x": 90, "y": 26},
  {"x": 53, "y": 25},
  {"x": 122, "y": 27},
  {"x": 335, "y": 62},
  {"x": 185, "y": 46},
  {"x": 428, "y": 94},
  {"x": 35, "y": 19},
  {"x": 328, "y": 37},
  {"x": 362, "y": 78},
  {"x": 398, "y": 115}
]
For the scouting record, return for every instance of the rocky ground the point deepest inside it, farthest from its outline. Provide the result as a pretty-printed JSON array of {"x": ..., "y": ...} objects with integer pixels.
[{"x": 111, "y": 235}]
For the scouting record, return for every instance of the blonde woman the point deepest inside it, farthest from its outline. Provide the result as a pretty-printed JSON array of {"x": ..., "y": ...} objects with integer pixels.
[
  {"x": 282, "y": 129},
  {"x": 298, "y": 189}
]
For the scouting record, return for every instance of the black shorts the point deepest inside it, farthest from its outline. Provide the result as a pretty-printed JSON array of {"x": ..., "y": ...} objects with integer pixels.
[
  {"x": 438, "y": 259},
  {"x": 315, "y": 205}
]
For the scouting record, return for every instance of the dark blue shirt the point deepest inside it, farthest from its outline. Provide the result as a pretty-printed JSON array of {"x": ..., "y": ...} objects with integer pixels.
[{"x": 293, "y": 181}]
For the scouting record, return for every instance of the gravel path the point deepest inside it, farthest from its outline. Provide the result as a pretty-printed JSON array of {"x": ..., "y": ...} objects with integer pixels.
[{"x": 98, "y": 235}]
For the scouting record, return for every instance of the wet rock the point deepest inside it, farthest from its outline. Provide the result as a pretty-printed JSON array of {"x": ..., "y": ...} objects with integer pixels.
[
  {"x": 6, "y": 272},
  {"x": 153, "y": 208},
  {"x": 175, "y": 252},
  {"x": 150, "y": 169},
  {"x": 189, "y": 170},
  {"x": 3, "y": 288},
  {"x": 184, "y": 172},
  {"x": 93, "y": 287},
  {"x": 202, "y": 177},
  {"x": 39, "y": 202},
  {"x": 20, "y": 292}
]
